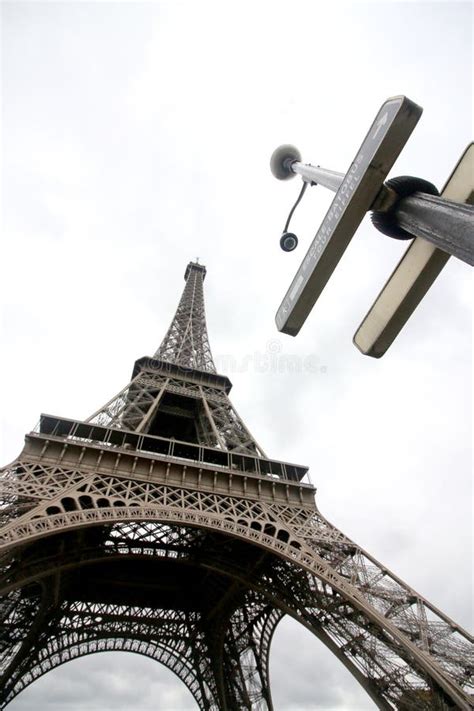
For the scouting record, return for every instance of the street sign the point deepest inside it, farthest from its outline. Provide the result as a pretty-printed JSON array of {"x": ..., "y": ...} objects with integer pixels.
[
  {"x": 388, "y": 134},
  {"x": 415, "y": 273}
]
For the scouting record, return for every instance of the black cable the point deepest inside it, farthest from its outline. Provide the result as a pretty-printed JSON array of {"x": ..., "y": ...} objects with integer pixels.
[{"x": 305, "y": 184}]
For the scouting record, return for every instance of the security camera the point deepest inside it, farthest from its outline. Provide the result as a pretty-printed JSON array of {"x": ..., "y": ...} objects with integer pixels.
[{"x": 288, "y": 241}]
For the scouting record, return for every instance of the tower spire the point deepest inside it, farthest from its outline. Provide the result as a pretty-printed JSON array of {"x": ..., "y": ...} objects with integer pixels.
[
  {"x": 186, "y": 342},
  {"x": 178, "y": 394}
]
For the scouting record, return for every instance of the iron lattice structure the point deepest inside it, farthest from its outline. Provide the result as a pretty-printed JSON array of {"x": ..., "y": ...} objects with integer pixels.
[{"x": 159, "y": 526}]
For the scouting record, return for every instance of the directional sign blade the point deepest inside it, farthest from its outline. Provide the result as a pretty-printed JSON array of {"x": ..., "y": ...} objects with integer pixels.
[
  {"x": 414, "y": 274},
  {"x": 388, "y": 134}
]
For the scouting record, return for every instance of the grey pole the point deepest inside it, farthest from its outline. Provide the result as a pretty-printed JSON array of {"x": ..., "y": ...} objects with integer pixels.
[
  {"x": 320, "y": 176},
  {"x": 446, "y": 224}
]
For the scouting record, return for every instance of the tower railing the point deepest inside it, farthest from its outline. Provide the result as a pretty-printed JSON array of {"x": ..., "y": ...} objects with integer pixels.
[{"x": 64, "y": 428}]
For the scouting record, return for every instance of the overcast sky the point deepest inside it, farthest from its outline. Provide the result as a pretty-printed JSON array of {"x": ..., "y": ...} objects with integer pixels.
[{"x": 137, "y": 136}]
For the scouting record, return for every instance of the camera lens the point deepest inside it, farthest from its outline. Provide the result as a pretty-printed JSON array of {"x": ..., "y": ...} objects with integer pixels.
[{"x": 288, "y": 241}]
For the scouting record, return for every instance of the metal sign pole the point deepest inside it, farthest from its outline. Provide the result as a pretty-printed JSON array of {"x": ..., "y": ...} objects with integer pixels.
[{"x": 446, "y": 224}]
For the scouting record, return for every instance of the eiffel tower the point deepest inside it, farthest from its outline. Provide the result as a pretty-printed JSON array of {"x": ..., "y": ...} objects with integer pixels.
[{"x": 160, "y": 526}]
